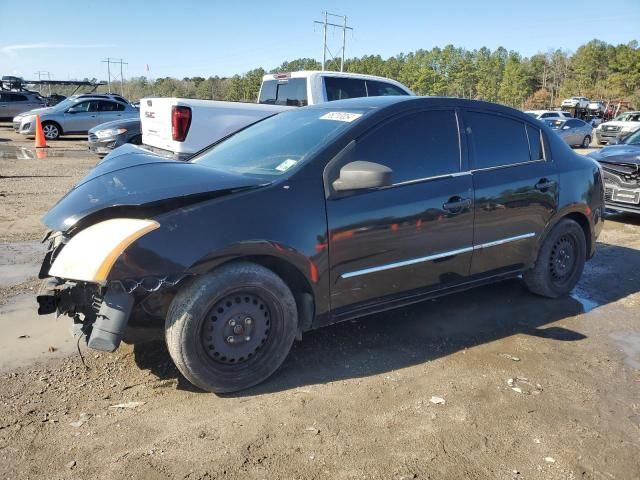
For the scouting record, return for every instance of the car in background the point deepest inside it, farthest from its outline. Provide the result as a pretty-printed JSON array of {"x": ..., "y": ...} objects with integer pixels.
[
  {"x": 540, "y": 114},
  {"x": 15, "y": 103},
  {"x": 596, "y": 107},
  {"x": 107, "y": 136},
  {"x": 573, "y": 131},
  {"x": 111, "y": 96},
  {"x": 576, "y": 102},
  {"x": 313, "y": 216},
  {"x": 621, "y": 166},
  {"x": 74, "y": 116},
  {"x": 624, "y": 124}
]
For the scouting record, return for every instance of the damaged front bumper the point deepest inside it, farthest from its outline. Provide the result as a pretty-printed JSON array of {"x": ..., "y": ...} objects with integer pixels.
[{"x": 101, "y": 313}]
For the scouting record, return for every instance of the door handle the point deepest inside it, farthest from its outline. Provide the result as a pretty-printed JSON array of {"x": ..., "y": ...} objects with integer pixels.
[
  {"x": 456, "y": 204},
  {"x": 544, "y": 184}
]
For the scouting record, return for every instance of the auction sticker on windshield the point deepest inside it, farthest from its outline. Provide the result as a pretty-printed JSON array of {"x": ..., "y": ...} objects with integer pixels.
[
  {"x": 341, "y": 116},
  {"x": 286, "y": 165}
]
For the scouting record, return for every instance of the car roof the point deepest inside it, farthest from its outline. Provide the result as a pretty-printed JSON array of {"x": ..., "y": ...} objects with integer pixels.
[{"x": 409, "y": 101}]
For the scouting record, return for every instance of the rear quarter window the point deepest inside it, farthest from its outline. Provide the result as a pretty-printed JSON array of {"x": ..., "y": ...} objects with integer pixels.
[{"x": 496, "y": 141}]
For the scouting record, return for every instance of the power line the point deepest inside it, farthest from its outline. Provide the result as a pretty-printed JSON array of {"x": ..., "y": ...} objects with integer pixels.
[
  {"x": 42, "y": 73},
  {"x": 115, "y": 61},
  {"x": 344, "y": 28}
]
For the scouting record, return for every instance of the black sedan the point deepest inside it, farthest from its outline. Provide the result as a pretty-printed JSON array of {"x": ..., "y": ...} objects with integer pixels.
[
  {"x": 621, "y": 165},
  {"x": 315, "y": 216},
  {"x": 107, "y": 136}
]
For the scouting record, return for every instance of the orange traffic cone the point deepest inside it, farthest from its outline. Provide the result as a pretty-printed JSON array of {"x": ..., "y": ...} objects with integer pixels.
[{"x": 40, "y": 140}]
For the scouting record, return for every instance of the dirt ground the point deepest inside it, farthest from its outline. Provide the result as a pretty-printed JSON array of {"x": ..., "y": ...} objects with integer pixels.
[{"x": 494, "y": 383}]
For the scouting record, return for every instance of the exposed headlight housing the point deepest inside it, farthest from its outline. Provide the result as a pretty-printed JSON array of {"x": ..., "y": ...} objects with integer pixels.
[
  {"x": 109, "y": 132},
  {"x": 90, "y": 254}
]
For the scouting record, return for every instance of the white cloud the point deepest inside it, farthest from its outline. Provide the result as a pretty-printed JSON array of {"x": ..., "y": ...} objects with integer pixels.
[{"x": 11, "y": 50}]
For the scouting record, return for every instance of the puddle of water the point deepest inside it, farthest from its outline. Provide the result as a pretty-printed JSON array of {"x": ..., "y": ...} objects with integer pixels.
[
  {"x": 12, "y": 152},
  {"x": 20, "y": 318},
  {"x": 20, "y": 261},
  {"x": 629, "y": 343}
]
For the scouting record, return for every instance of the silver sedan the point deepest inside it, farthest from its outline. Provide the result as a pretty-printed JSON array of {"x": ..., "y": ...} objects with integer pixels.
[
  {"x": 573, "y": 131},
  {"x": 73, "y": 116}
]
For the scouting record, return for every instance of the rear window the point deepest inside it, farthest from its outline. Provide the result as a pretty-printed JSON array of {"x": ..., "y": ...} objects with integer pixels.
[
  {"x": 338, "y": 88},
  {"x": 496, "y": 141},
  {"x": 291, "y": 92}
]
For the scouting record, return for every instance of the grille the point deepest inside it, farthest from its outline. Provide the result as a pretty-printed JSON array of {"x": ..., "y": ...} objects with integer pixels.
[
  {"x": 610, "y": 128},
  {"x": 93, "y": 137},
  {"x": 608, "y": 192}
]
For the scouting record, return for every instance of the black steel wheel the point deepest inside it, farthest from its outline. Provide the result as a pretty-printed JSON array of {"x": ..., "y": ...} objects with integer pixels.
[
  {"x": 560, "y": 261},
  {"x": 232, "y": 328}
]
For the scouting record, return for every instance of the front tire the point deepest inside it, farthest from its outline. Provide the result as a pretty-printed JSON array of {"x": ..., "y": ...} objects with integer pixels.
[
  {"x": 560, "y": 261},
  {"x": 51, "y": 130},
  {"x": 232, "y": 328}
]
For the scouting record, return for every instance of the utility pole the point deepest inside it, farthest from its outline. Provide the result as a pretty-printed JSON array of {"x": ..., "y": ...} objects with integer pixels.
[
  {"x": 344, "y": 28},
  {"x": 115, "y": 61},
  {"x": 40, "y": 74}
]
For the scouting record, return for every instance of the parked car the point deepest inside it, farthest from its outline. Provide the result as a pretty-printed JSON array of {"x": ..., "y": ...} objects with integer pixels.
[
  {"x": 73, "y": 116},
  {"x": 621, "y": 164},
  {"x": 576, "y": 102},
  {"x": 15, "y": 103},
  {"x": 622, "y": 125},
  {"x": 542, "y": 114},
  {"x": 596, "y": 107},
  {"x": 107, "y": 136},
  {"x": 314, "y": 216},
  {"x": 573, "y": 131},
  {"x": 180, "y": 127},
  {"x": 112, "y": 96}
]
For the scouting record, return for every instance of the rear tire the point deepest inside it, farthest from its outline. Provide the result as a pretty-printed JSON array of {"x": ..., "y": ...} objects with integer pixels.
[
  {"x": 560, "y": 261},
  {"x": 232, "y": 328}
]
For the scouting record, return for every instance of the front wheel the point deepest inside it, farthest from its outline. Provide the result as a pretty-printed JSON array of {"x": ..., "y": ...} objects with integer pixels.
[
  {"x": 232, "y": 328},
  {"x": 51, "y": 130},
  {"x": 560, "y": 261}
]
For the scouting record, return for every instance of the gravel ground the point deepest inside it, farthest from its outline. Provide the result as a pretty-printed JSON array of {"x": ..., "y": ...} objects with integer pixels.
[{"x": 493, "y": 383}]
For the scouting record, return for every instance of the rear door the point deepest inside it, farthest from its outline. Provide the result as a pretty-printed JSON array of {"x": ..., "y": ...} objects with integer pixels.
[
  {"x": 516, "y": 189},
  {"x": 415, "y": 234}
]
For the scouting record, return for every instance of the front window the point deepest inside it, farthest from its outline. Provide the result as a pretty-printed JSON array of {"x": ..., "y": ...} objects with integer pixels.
[
  {"x": 555, "y": 124},
  {"x": 628, "y": 117},
  {"x": 278, "y": 144}
]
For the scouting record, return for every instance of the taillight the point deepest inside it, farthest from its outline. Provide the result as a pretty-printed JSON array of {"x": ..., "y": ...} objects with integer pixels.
[{"x": 180, "y": 122}]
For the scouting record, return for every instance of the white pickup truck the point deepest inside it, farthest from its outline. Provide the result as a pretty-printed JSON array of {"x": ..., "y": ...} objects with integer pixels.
[{"x": 180, "y": 127}]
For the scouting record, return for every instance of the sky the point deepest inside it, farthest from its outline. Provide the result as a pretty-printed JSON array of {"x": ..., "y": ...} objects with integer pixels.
[{"x": 186, "y": 38}]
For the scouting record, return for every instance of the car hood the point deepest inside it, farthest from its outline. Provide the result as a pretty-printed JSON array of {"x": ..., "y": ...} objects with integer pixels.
[
  {"x": 619, "y": 123},
  {"x": 36, "y": 111},
  {"x": 137, "y": 184},
  {"x": 618, "y": 154},
  {"x": 121, "y": 123}
]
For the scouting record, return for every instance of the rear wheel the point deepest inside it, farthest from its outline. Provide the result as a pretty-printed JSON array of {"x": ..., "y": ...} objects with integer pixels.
[
  {"x": 560, "y": 261},
  {"x": 51, "y": 130},
  {"x": 586, "y": 141},
  {"x": 231, "y": 329}
]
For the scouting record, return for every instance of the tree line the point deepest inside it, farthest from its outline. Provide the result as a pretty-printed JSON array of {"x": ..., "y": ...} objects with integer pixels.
[{"x": 597, "y": 70}]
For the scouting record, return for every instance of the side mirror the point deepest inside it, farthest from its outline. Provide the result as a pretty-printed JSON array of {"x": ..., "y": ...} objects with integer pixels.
[
  {"x": 71, "y": 110},
  {"x": 362, "y": 175}
]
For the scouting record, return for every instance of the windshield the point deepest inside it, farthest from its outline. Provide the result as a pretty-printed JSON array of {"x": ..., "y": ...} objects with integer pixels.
[
  {"x": 628, "y": 117},
  {"x": 64, "y": 104},
  {"x": 554, "y": 124},
  {"x": 275, "y": 145},
  {"x": 533, "y": 114},
  {"x": 633, "y": 139}
]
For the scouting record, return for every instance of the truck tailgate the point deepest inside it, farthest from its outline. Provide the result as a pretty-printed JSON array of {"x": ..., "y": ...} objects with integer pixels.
[{"x": 210, "y": 121}]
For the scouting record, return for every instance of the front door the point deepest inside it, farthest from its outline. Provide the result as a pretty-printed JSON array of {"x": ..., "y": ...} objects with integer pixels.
[
  {"x": 81, "y": 117},
  {"x": 516, "y": 190},
  {"x": 417, "y": 233}
]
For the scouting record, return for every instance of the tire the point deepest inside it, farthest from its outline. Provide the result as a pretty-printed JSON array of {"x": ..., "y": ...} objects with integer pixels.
[
  {"x": 232, "y": 328},
  {"x": 52, "y": 130},
  {"x": 586, "y": 141},
  {"x": 560, "y": 261}
]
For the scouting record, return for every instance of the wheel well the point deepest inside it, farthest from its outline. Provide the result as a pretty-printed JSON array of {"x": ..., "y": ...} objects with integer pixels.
[
  {"x": 297, "y": 283},
  {"x": 582, "y": 220},
  {"x": 55, "y": 123}
]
